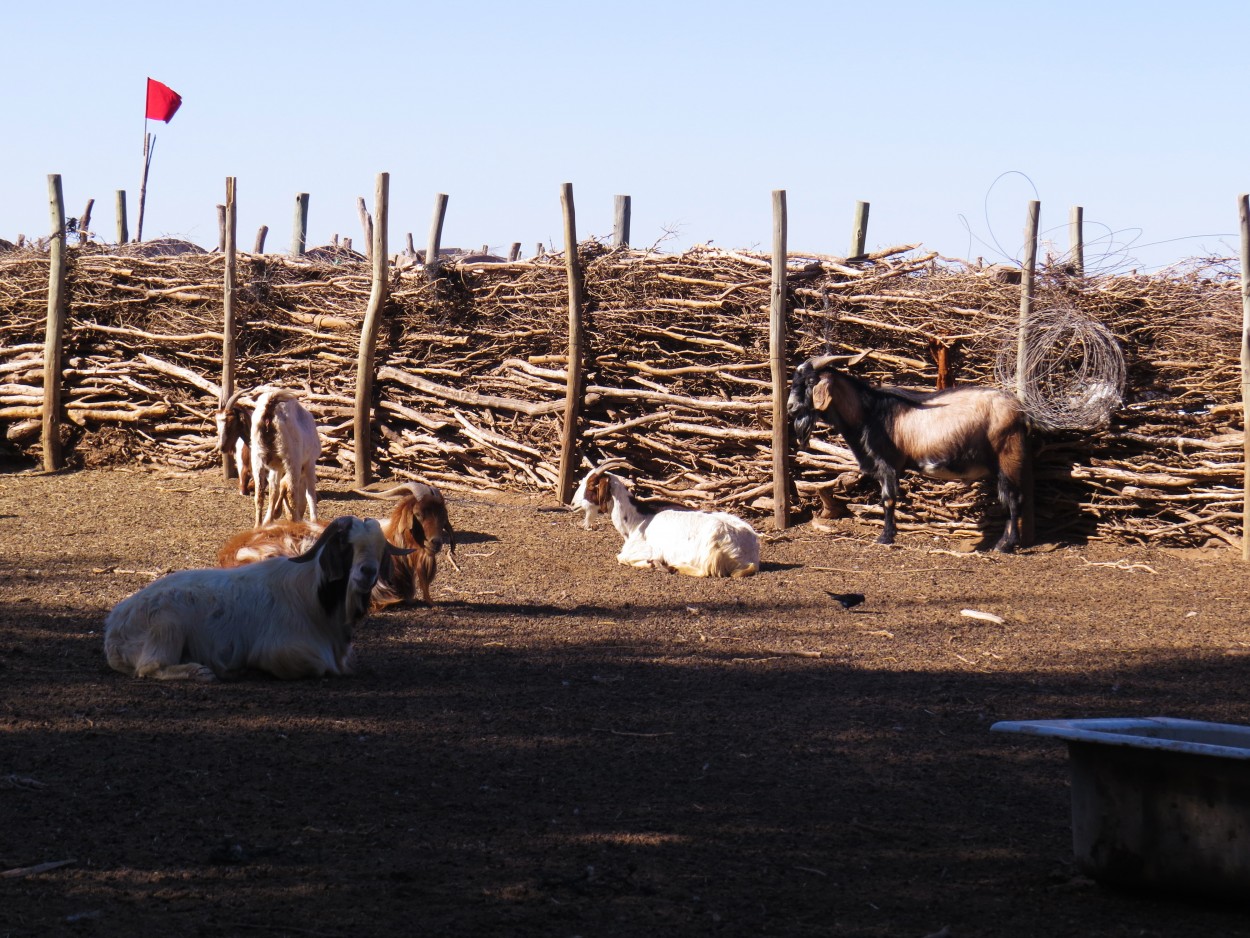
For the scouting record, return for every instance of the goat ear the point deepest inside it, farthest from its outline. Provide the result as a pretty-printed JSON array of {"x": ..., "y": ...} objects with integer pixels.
[
  {"x": 417, "y": 528},
  {"x": 336, "y": 557},
  {"x": 822, "y": 395},
  {"x": 602, "y": 493}
]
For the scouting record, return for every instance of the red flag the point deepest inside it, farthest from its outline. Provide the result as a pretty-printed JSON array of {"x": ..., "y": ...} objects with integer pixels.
[{"x": 163, "y": 101}]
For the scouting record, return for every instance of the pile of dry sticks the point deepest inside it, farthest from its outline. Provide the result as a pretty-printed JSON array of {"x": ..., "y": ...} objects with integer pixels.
[{"x": 471, "y": 372}]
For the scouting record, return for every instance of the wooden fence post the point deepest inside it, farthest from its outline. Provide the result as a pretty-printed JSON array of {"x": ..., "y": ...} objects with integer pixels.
[
  {"x": 1076, "y": 235},
  {"x": 299, "y": 236},
  {"x": 777, "y": 361},
  {"x": 366, "y": 226},
  {"x": 436, "y": 233},
  {"x": 369, "y": 334},
  {"x": 84, "y": 222},
  {"x": 258, "y": 247},
  {"x": 123, "y": 230},
  {"x": 1243, "y": 202},
  {"x": 1023, "y": 377},
  {"x": 228, "y": 343},
  {"x": 570, "y": 436},
  {"x": 515, "y": 251},
  {"x": 620, "y": 225},
  {"x": 53, "y": 335},
  {"x": 221, "y": 229},
  {"x": 859, "y": 231}
]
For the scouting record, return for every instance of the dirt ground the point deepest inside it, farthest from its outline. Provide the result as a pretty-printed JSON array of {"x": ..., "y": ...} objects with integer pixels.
[{"x": 564, "y": 746}]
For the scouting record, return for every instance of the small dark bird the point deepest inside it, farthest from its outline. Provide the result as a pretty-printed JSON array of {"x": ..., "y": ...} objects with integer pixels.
[{"x": 847, "y": 600}]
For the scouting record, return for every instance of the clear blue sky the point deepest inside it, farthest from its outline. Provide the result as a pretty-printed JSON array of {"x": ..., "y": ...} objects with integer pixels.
[{"x": 935, "y": 113}]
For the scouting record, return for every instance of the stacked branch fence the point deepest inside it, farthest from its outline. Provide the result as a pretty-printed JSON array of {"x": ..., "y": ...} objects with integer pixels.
[{"x": 472, "y": 373}]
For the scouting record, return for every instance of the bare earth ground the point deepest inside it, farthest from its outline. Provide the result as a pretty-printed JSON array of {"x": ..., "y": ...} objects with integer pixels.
[{"x": 565, "y": 746}]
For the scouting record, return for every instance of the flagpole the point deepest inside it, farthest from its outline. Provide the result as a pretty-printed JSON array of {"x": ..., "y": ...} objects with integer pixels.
[
  {"x": 143, "y": 185},
  {"x": 161, "y": 104}
]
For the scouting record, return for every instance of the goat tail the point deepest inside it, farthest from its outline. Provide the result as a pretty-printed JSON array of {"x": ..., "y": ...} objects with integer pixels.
[{"x": 734, "y": 553}]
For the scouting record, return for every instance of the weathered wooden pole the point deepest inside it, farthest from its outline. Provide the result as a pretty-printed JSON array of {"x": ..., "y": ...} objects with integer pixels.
[
  {"x": 1076, "y": 237},
  {"x": 570, "y": 436},
  {"x": 1243, "y": 202},
  {"x": 369, "y": 334},
  {"x": 777, "y": 361},
  {"x": 620, "y": 225},
  {"x": 123, "y": 229},
  {"x": 55, "y": 330},
  {"x": 515, "y": 252},
  {"x": 436, "y": 232},
  {"x": 859, "y": 231},
  {"x": 258, "y": 246},
  {"x": 84, "y": 222},
  {"x": 221, "y": 229},
  {"x": 228, "y": 343},
  {"x": 299, "y": 234},
  {"x": 366, "y": 226},
  {"x": 1023, "y": 372},
  {"x": 1026, "y": 299}
]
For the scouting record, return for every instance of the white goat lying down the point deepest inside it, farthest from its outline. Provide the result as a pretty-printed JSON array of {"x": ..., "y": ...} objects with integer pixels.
[
  {"x": 697, "y": 543},
  {"x": 292, "y": 617}
]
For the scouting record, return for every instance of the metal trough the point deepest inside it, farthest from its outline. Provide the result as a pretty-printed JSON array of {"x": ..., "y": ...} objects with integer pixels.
[{"x": 1158, "y": 802}]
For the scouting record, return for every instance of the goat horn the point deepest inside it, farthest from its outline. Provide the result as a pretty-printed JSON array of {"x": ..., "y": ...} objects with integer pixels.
[
  {"x": 416, "y": 489},
  {"x": 231, "y": 401},
  {"x": 614, "y": 463}
]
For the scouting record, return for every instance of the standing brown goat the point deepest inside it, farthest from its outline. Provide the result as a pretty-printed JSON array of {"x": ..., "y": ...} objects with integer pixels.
[
  {"x": 961, "y": 433},
  {"x": 419, "y": 522}
]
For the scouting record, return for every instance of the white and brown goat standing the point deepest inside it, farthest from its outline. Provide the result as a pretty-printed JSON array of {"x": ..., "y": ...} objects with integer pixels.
[{"x": 277, "y": 441}]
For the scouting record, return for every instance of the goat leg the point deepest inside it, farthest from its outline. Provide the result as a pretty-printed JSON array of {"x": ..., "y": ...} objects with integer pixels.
[
  {"x": 177, "y": 672},
  {"x": 889, "y": 498}
]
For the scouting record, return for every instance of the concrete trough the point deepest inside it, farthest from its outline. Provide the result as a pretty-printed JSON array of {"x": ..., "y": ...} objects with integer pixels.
[{"x": 1158, "y": 803}]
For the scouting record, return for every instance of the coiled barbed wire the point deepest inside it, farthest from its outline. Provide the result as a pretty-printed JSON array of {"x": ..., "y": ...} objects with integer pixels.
[{"x": 1074, "y": 370}]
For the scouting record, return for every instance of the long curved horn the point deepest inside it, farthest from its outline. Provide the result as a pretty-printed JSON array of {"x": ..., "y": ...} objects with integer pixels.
[
  {"x": 416, "y": 489},
  {"x": 231, "y": 401},
  {"x": 615, "y": 462}
]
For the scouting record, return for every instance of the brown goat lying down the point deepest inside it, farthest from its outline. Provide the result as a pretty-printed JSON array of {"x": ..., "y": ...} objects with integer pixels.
[{"x": 419, "y": 522}]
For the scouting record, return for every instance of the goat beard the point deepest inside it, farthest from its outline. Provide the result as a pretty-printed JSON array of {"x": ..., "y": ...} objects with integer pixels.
[
  {"x": 803, "y": 421},
  {"x": 358, "y": 602}
]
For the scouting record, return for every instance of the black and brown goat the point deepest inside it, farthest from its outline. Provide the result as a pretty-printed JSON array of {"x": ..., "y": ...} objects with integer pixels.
[
  {"x": 419, "y": 523},
  {"x": 964, "y": 434}
]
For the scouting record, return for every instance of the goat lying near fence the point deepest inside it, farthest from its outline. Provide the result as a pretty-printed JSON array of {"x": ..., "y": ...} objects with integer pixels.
[
  {"x": 419, "y": 523},
  {"x": 277, "y": 444},
  {"x": 697, "y": 543},
  {"x": 292, "y": 617},
  {"x": 960, "y": 433}
]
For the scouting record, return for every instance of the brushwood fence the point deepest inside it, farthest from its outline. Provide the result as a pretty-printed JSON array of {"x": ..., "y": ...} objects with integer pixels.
[{"x": 470, "y": 379}]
